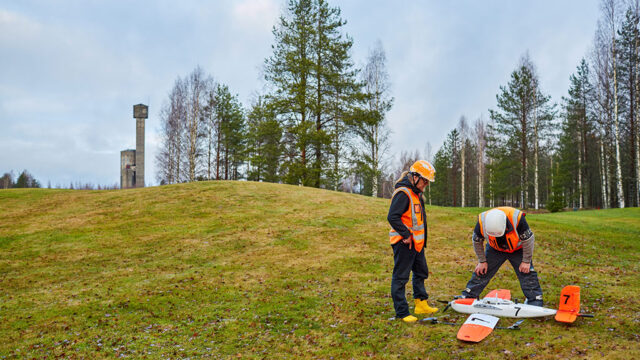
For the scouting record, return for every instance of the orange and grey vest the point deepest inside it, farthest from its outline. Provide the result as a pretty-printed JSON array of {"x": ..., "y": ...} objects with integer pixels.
[
  {"x": 412, "y": 219},
  {"x": 513, "y": 240}
]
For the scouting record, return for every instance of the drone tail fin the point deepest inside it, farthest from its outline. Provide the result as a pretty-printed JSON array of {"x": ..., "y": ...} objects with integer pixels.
[{"x": 569, "y": 307}]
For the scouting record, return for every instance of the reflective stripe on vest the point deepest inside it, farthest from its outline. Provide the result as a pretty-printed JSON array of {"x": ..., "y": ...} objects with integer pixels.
[
  {"x": 513, "y": 215},
  {"x": 416, "y": 227}
]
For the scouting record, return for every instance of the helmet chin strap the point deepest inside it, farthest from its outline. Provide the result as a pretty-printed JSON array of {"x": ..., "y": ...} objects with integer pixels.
[{"x": 413, "y": 181}]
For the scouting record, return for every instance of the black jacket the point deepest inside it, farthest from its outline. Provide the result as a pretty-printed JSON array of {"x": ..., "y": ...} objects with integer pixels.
[{"x": 400, "y": 204}]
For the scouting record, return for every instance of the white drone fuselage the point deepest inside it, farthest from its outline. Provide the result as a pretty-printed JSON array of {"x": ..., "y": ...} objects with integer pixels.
[{"x": 500, "y": 307}]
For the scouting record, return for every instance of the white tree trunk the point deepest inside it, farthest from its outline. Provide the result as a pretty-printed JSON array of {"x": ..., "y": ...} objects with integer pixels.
[
  {"x": 535, "y": 155},
  {"x": 615, "y": 114},
  {"x": 374, "y": 181},
  {"x": 637, "y": 162},
  {"x": 551, "y": 170},
  {"x": 580, "y": 169},
  {"x": 480, "y": 178},
  {"x": 491, "y": 202},
  {"x": 535, "y": 181},
  {"x": 462, "y": 172},
  {"x": 637, "y": 115},
  {"x": 603, "y": 174},
  {"x": 619, "y": 166}
]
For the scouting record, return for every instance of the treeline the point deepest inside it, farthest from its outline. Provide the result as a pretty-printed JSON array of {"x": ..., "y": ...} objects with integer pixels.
[
  {"x": 320, "y": 122},
  {"x": 27, "y": 180},
  {"x": 24, "y": 180},
  {"x": 581, "y": 152}
]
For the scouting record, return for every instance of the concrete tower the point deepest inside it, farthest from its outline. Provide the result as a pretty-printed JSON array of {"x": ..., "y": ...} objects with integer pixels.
[
  {"x": 132, "y": 161},
  {"x": 140, "y": 113},
  {"x": 127, "y": 169}
]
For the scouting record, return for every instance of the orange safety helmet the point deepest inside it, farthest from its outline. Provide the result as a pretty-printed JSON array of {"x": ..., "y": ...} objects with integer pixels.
[{"x": 424, "y": 169}]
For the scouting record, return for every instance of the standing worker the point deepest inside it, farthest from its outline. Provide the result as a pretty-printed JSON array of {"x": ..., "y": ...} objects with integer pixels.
[
  {"x": 509, "y": 238},
  {"x": 408, "y": 239}
]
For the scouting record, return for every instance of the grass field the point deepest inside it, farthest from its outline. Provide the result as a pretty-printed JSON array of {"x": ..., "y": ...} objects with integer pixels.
[{"x": 253, "y": 270}]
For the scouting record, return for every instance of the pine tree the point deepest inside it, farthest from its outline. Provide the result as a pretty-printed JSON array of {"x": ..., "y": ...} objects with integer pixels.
[
  {"x": 231, "y": 139},
  {"x": 514, "y": 127},
  {"x": 264, "y": 144},
  {"x": 577, "y": 130},
  {"x": 26, "y": 180},
  {"x": 314, "y": 89},
  {"x": 289, "y": 73},
  {"x": 441, "y": 188}
]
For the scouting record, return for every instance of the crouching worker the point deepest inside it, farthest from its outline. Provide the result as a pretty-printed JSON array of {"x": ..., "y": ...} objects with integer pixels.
[
  {"x": 408, "y": 237},
  {"x": 509, "y": 238}
]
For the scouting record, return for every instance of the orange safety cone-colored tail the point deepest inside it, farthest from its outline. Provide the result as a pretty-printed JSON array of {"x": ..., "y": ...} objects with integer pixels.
[{"x": 569, "y": 307}]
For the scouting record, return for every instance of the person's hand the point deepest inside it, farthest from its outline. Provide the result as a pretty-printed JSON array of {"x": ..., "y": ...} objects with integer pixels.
[
  {"x": 524, "y": 267},
  {"x": 406, "y": 241},
  {"x": 481, "y": 268}
]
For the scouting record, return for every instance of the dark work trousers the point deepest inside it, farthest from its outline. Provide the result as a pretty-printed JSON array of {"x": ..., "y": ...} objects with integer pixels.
[
  {"x": 528, "y": 282},
  {"x": 406, "y": 260}
]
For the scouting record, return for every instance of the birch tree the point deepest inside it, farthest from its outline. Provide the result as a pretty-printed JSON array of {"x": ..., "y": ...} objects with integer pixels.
[
  {"x": 210, "y": 124},
  {"x": 481, "y": 142},
  {"x": 197, "y": 83},
  {"x": 463, "y": 129},
  {"x": 172, "y": 123},
  {"x": 536, "y": 146},
  {"x": 610, "y": 9},
  {"x": 628, "y": 89},
  {"x": 603, "y": 104},
  {"x": 374, "y": 133},
  {"x": 428, "y": 153}
]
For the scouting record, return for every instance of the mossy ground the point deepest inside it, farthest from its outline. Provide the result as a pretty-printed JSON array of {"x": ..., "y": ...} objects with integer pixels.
[{"x": 222, "y": 269}]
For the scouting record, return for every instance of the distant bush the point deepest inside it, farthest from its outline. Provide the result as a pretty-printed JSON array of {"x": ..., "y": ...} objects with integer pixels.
[{"x": 556, "y": 203}]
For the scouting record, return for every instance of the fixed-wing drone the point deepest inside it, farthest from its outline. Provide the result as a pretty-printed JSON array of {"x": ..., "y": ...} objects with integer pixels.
[{"x": 485, "y": 312}]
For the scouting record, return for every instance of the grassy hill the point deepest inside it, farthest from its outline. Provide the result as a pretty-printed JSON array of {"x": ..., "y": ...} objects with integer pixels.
[{"x": 258, "y": 270}]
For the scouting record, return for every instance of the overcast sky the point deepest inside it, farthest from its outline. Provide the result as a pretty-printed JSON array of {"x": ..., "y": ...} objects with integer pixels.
[{"x": 71, "y": 71}]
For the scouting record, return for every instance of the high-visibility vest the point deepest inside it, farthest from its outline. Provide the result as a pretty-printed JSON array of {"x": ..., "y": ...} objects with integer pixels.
[
  {"x": 513, "y": 240},
  {"x": 412, "y": 219}
]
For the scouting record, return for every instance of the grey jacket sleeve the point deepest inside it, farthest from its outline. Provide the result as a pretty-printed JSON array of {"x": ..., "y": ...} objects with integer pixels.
[
  {"x": 478, "y": 247},
  {"x": 527, "y": 240}
]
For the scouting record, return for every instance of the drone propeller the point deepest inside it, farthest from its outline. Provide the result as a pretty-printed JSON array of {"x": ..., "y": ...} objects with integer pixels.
[
  {"x": 445, "y": 302},
  {"x": 446, "y": 307},
  {"x": 515, "y": 326},
  {"x": 435, "y": 320}
]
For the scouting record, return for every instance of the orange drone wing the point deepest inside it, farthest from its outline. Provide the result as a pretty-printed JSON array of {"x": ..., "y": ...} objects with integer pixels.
[{"x": 477, "y": 327}]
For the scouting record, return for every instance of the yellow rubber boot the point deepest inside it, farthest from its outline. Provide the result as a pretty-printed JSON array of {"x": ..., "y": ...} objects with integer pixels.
[
  {"x": 422, "y": 307},
  {"x": 409, "y": 319}
]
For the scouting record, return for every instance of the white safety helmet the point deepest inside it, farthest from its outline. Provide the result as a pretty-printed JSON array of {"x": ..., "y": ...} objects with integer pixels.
[{"x": 495, "y": 223}]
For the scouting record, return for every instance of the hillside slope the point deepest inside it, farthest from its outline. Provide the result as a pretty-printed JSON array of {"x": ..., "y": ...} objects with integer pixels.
[{"x": 276, "y": 271}]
